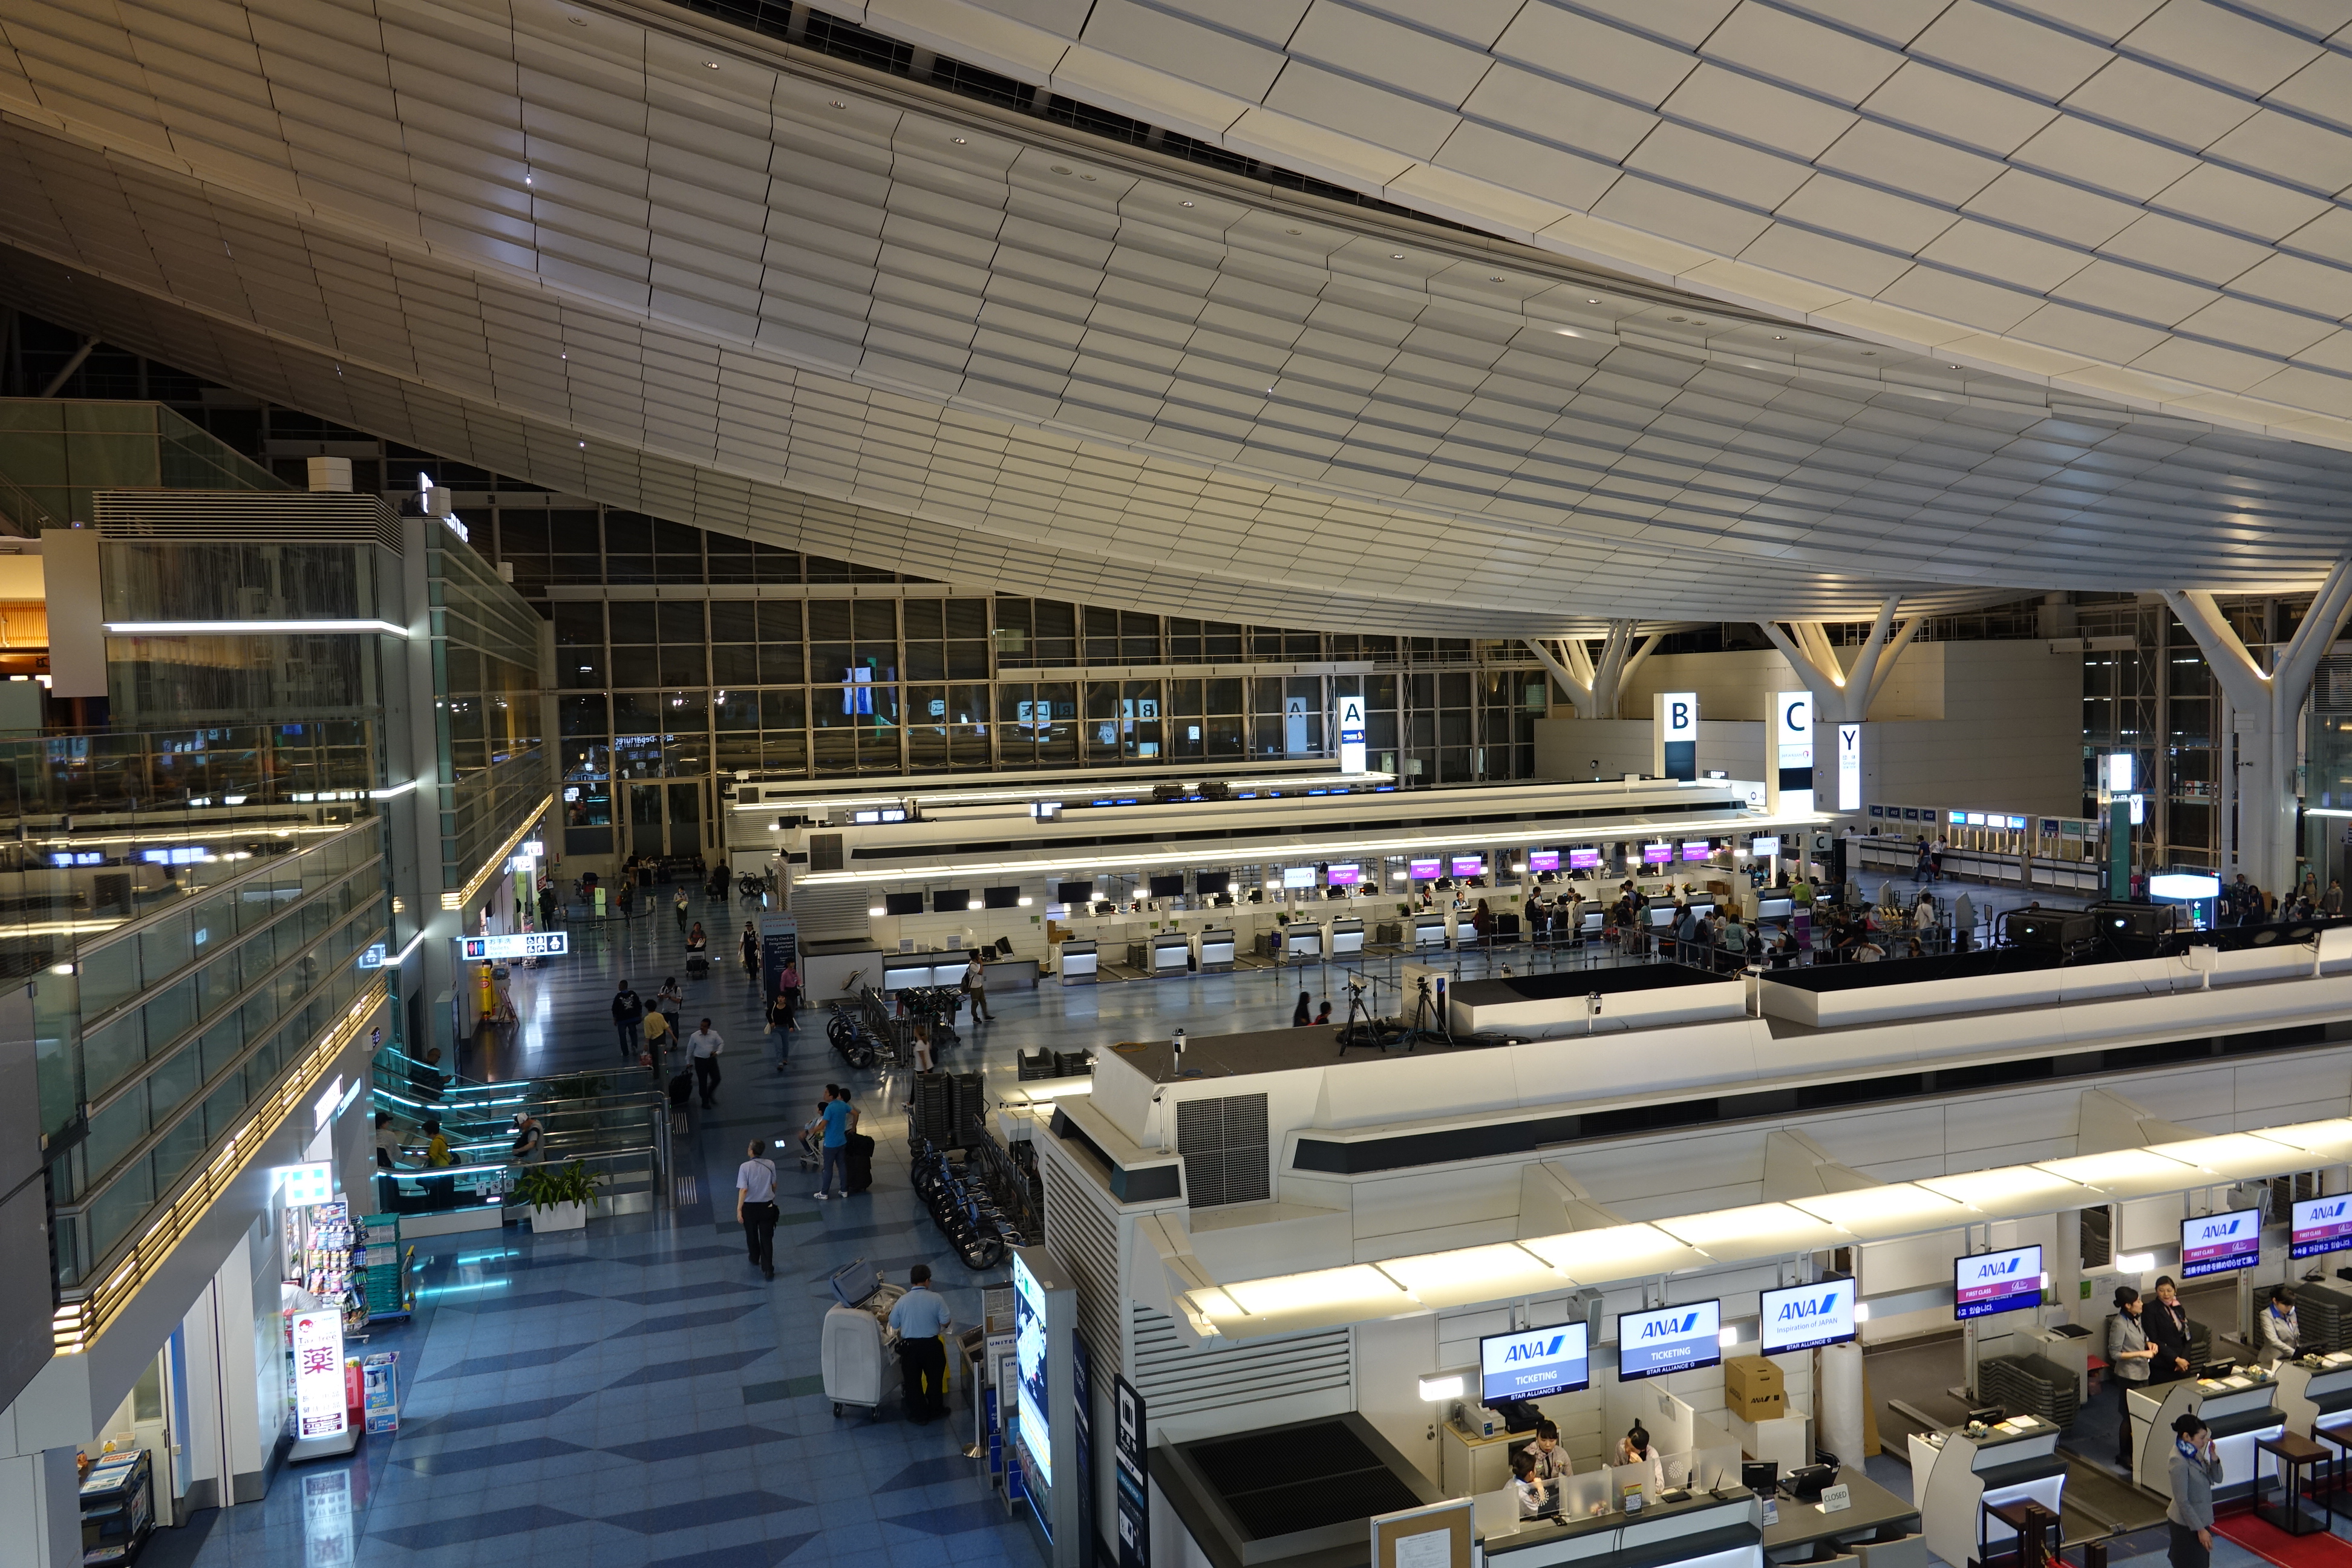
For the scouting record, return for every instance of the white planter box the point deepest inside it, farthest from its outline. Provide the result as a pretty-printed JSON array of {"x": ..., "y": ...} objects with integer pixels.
[{"x": 558, "y": 1217}]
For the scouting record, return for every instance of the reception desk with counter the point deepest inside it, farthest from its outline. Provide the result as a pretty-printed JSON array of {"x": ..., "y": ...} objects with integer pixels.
[
  {"x": 2240, "y": 1409},
  {"x": 1705, "y": 1530}
]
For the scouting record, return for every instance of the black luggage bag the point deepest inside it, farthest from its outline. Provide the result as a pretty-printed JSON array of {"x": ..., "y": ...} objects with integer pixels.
[{"x": 859, "y": 1162}]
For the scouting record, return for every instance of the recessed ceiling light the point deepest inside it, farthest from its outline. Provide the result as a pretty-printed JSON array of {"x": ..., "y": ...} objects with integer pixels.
[
  {"x": 1956, "y": 367},
  {"x": 1188, "y": 203},
  {"x": 1396, "y": 256},
  {"x": 1061, "y": 168},
  {"x": 1494, "y": 278},
  {"x": 958, "y": 141},
  {"x": 1294, "y": 231},
  {"x": 577, "y": 21},
  {"x": 584, "y": 446},
  {"x": 837, "y": 103},
  {"x": 1591, "y": 299},
  {"x": 1678, "y": 318},
  {"x": 711, "y": 65},
  {"x": 1087, "y": 177}
]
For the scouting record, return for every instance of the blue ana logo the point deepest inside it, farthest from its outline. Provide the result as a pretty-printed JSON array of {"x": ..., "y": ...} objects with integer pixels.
[
  {"x": 1538, "y": 1350},
  {"x": 2335, "y": 1212},
  {"x": 1672, "y": 1327},
  {"x": 2220, "y": 1232},
  {"x": 1799, "y": 1310},
  {"x": 2006, "y": 1266}
]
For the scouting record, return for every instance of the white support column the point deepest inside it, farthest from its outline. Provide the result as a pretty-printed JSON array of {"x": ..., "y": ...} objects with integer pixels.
[
  {"x": 40, "y": 1511},
  {"x": 1841, "y": 694},
  {"x": 1595, "y": 683},
  {"x": 2266, "y": 706}
]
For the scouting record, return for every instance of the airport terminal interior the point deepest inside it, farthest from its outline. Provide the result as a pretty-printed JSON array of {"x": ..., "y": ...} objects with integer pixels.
[{"x": 1344, "y": 784}]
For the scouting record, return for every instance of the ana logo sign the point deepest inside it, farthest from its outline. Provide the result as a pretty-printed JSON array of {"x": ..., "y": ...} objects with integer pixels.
[
  {"x": 2003, "y": 1265},
  {"x": 1671, "y": 1328},
  {"x": 1534, "y": 1349},
  {"x": 2221, "y": 1231},
  {"x": 1797, "y": 1312}
]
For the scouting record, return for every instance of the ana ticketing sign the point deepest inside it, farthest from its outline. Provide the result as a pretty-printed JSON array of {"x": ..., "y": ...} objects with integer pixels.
[
  {"x": 522, "y": 945},
  {"x": 1670, "y": 1339},
  {"x": 2321, "y": 1224},
  {"x": 319, "y": 1402}
]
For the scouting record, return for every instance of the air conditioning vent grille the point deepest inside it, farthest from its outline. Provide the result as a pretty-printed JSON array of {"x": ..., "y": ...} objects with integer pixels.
[
  {"x": 1083, "y": 1234},
  {"x": 1176, "y": 1378},
  {"x": 1224, "y": 1143}
]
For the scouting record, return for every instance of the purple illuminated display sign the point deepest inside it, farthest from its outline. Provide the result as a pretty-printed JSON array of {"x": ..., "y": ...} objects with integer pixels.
[{"x": 1543, "y": 859}]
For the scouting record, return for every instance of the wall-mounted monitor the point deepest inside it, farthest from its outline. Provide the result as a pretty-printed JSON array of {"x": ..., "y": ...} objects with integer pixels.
[
  {"x": 1298, "y": 876},
  {"x": 1534, "y": 1364},
  {"x": 949, "y": 900},
  {"x": 1986, "y": 1282},
  {"x": 1168, "y": 887},
  {"x": 1805, "y": 1317},
  {"x": 1657, "y": 853},
  {"x": 2321, "y": 1224},
  {"x": 1342, "y": 876},
  {"x": 1469, "y": 865},
  {"x": 1670, "y": 1339},
  {"x": 2218, "y": 1243},
  {"x": 1764, "y": 845},
  {"x": 1000, "y": 898},
  {"x": 902, "y": 903},
  {"x": 1424, "y": 870},
  {"x": 1543, "y": 859},
  {"x": 1697, "y": 849},
  {"x": 1206, "y": 883},
  {"x": 1074, "y": 893},
  {"x": 1584, "y": 859}
]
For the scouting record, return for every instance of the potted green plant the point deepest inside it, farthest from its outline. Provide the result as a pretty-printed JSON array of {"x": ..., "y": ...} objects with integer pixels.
[{"x": 559, "y": 1195}]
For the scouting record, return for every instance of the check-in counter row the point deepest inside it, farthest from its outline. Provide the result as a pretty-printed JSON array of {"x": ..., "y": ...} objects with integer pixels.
[
  {"x": 1707, "y": 1529},
  {"x": 1166, "y": 955}
]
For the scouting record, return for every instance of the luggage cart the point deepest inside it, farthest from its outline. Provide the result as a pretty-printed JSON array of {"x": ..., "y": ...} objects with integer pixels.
[{"x": 857, "y": 1337}]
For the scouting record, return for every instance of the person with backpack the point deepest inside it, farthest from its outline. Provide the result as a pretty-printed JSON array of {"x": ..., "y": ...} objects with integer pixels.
[
  {"x": 755, "y": 1205},
  {"x": 628, "y": 1019}
]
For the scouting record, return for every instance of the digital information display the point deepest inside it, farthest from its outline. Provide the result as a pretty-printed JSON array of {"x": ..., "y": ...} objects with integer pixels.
[
  {"x": 1584, "y": 859},
  {"x": 1657, "y": 853},
  {"x": 2321, "y": 1224},
  {"x": 522, "y": 945},
  {"x": 1534, "y": 1364},
  {"x": 1765, "y": 847},
  {"x": 319, "y": 1401},
  {"x": 1806, "y": 1316},
  {"x": 1298, "y": 876},
  {"x": 1990, "y": 1282},
  {"x": 1422, "y": 871},
  {"x": 1697, "y": 849},
  {"x": 1469, "y": 865},
  {"x": 1543, "y": 859},
  {"x": 1029, "y": 1354},
  {"x": 1344, "y": 876},
  {"x": 1671, "y": 1339},
  {"x": 2218, "y": 1243}
]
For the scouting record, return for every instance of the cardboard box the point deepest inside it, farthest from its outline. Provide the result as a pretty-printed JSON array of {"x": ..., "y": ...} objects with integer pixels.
[{"x": 1753, "y": 1390}]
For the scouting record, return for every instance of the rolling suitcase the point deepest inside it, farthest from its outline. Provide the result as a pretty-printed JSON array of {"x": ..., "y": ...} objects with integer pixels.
[
  {"x": 682, "y": 1088},
  {"x": 852, "y": 1352},
  {"x": 858, "y": 1163}
]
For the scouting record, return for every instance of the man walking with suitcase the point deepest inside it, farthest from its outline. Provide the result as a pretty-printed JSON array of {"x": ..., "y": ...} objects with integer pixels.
[
  {"x": 921, "y": 1317},
  {"x": 702, "y": 1048}
]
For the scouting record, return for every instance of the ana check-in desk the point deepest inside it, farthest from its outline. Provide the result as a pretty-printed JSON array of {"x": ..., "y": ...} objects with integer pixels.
[
  {"x": 1802, "y": 1526},
  {"x": 1217, "y": 949},
  {"x": 1080, "y": 959},
  {"x": 1956, "y": 1478},
  {"x": 2315, "y": 1391},
  {"x": 2239, "y": 1409},
  {"x": 1711, "y": 1530}
]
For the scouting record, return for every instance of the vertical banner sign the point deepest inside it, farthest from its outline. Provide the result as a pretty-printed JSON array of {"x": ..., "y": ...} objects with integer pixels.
[
  {"x": 1849, "y": 759},
  {"x": 1082, "y": 1395},
  {"x": 1352, "y": 734},
  {"x": 319, "y": 1373},
  {"x": 1134, "y": 1500},
  {"x": 1791, "y": 766},
  {"x": 1677, "y": 733}
]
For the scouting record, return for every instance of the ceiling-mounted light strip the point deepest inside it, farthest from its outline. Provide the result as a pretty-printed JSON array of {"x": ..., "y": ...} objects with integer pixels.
[{"x": 245, "y": 628}]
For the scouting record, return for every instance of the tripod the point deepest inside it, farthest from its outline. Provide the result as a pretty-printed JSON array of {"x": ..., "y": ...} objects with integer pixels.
[
  {"x": 1361, "y": 1029},
  {"x": 1425, "y": 1018}
]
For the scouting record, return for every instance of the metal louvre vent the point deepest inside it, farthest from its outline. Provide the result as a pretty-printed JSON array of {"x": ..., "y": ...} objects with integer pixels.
[
  {"x": 833, "y": 914},
  {"x": 1176, "y": 1379},
  {"x": 247, "y": 517},
  {"x": 2332, "y": 692},
  {"x": 1083, "y": 1236},
  {"x": 1224, "y": 1145},
  {"x": 824, "y": 851}
]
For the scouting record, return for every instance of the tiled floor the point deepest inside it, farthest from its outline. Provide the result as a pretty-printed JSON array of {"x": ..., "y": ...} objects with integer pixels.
[{"x": 637, "y": 1395}]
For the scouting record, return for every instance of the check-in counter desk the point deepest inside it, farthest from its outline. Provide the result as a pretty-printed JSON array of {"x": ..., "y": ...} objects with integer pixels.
[
  {"x": 1955, "y": 1478},
  {"x": 2240, "y": 1410},
  {"x": 1802, "y": 1527},
  {"x": 1172, "y": 953},
  {"x": 1429, "y": 931},
  {"x": 2315, "y": 1391},
  {"x": 1218, "y": 949},
  {"x": 1078, "y": 960},
  {"x": 1302, "y": 941},
  {"x": 1710, "y": 1530},
  {"x": 1346, "y": 938}
]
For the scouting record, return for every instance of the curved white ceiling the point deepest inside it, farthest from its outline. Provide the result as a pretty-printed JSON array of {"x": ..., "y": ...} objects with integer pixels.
[
  {"x": 2139, "y": 199},
  {"x": 765, "y": 293}
]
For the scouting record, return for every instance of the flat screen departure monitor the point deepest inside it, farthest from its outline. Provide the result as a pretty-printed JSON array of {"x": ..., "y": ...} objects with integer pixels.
[
  {"x": 1764, "y": 845},
  {"x": 1534, "y": 1364},
  {"x": 1000, "y": 898},
  {"x": 1298, "y": 876},
  {"x": 1584, "y": 859},
  {"x": 2321, "y": 1224},
  {"x": 1986, "y": 1282},
  {"x": 1657, "y": 853},
  {"x": 1697, "y": 849},
  {"x": 1074, "y": 893},
  {"x": 2218, "y": 1243},
  {"x": 1670, "y": 1339},
  {"x": 1168, "y": 887},
  {"x": 1342, "y": 876},
  {"x": 1805, "y": 1317},
  {"x": 1469, "y": 865},
  {"x": 1205, "y": 882},
  {"x": 949, "y": 900},
  {"x": 902, "y": 903},
  {"x": 1543, "y": 859},
  {"x": 1423, "y": 870}
]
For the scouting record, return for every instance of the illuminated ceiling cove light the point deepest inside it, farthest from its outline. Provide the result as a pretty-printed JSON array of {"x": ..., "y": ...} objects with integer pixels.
[{"x": 244, "y": 628}]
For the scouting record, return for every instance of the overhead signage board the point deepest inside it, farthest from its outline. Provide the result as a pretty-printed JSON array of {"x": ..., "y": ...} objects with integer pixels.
[
  {"x": 1534, "y": 1364},
  {"x": 2218, "y": 1243},
  {"x": 1806, "y": 1317},
  {"x": 1676, "y": 749},
  {"x": 1350, "y": 717},
  {"x": 1849, "y": 767},
  {"x": 2321, "y": 1224},
  {"x": 1791, "y": 771},
  {"x": 1670, "y": 1339},
  {"x": 522, "y": 945},
  {"x": 1986, "y": 1282}
]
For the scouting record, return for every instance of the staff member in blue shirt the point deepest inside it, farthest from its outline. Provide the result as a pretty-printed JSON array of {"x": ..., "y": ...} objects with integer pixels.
[{"x": 921, "y": 1317}]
